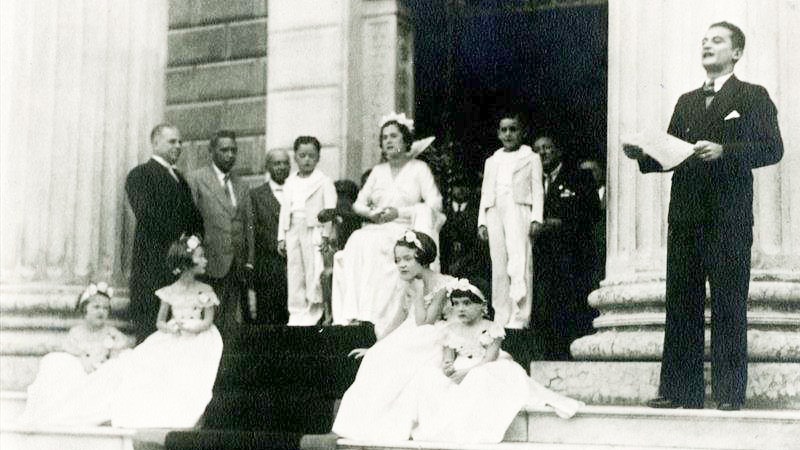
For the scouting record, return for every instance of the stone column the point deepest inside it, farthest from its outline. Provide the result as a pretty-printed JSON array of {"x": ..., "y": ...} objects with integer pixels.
[
  {"x": 654, "y": 56},
  {"x": 387, "y": 71},
  {"x": 82, "y": 84}
]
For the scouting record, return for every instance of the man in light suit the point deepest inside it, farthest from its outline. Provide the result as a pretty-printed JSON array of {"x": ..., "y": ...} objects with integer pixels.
[
  {"x": 734, "y": 128},
  {"x": 269, "y": 273},
  {"x": 509, "y": 213},
  {"x": 162, "y": 203},
  {"x": 224, "y": 202}
]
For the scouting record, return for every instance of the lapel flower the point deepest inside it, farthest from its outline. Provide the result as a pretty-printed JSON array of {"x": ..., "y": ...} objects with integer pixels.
[{"x": 566, "y": 193}]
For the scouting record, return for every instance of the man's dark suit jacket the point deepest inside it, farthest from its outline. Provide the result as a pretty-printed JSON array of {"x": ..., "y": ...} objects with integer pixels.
[
  {"x": 269, "y": 274},
  {"x": 164, "y": 210},
  {"x": 721, "y": 191},
  {"x": 565, "y": 260},
  {"x": 710, "y": 235}
]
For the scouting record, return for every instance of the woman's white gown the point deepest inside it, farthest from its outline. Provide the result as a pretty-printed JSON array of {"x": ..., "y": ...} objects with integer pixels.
[
  {"x": 364, "y": 270},
  {"x": 381, "y": 404}
]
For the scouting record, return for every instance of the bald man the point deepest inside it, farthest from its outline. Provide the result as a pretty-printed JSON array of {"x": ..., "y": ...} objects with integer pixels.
[{"x": 269, "y": 280}]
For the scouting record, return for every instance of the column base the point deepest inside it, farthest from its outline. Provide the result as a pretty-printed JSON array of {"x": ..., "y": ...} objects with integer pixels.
[{"x": 770, "y": 385}]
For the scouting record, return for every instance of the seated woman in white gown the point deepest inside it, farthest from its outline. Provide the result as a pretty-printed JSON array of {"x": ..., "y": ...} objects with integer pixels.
[
  {"x": 381, "y": 402},
  {"x": 166, "y": 381},
  {"x": 478, "y": 389},
  {"x": 399, "y": 194},
  {"x": 87, "y": 347}
]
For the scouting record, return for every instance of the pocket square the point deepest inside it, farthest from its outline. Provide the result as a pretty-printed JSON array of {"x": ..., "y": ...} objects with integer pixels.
[{"x": 733, "y": 115}]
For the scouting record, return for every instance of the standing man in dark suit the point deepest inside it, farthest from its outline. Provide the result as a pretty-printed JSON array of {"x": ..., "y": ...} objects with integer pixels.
[
  {"x": 269, "y": 273},
  {"x": 734, "y": 128},
  {"x": 224, "y": 202},
  {"x": 162, "y": 203},
  {"x": 564, "y": 252}
]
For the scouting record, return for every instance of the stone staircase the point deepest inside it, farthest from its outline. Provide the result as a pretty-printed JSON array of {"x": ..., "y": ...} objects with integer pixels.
[{"x": 277, "y": 388}]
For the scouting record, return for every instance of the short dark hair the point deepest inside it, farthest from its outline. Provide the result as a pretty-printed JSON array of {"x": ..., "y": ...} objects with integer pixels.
[
  {"x": 156, "y": 131},
  {"x": 408, "y": 136},
  {"x": 221, "y": 134},
  {"x": 515, "y": 114},
  {"x": 180, "y": 256},
  {"x": 302, "y": 140},
  {"x": 737, "y": 35},
  {"x": 458, "y": 293},
  {"x": 426, "y": 253}
]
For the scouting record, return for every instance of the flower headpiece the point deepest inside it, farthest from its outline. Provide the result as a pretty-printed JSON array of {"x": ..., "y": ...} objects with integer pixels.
[
  {"x": 463, "y": 285},
  {"x": 192, "y": 243},
  {"x": 93, "y": 289},
  {"x": 411, "y": 238},
  {"x": 399, "y": 118}
]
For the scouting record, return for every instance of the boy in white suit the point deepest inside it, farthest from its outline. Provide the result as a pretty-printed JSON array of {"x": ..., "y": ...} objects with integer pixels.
[
  {"x": 510, "y": 213},
  {"x": 300, "y": 234}
]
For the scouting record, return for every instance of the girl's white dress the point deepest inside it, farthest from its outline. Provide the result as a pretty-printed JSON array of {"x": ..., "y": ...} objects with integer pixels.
[
  {"x": 364, "y": 270},
  {"x": 62, "y": 374},
  {"x": 482, "y": 406},
  {"x": 165, "y": 382},
  {"x": 381, "y": 404},
  {"x": 171, "y": 376}
]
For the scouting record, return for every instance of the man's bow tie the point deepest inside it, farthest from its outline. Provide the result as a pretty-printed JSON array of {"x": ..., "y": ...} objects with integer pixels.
[{"x": 708, "y": 89}]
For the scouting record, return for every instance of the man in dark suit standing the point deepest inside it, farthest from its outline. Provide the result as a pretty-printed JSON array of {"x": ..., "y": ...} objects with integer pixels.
[
  {"x": 269, "y": 273},
  {"x": 224, "y": 202},
  {"x": 564, "y": 252},
  {"x": 734, "y": 128},
  {"x": 162, "y": 203}
]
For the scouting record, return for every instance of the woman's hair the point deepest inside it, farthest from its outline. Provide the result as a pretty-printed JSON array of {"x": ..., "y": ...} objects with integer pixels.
[
  {"x": 408, "y": 137},
  {"x": 180, "y": 254},
  {"x": 423, "y": 245},
  {"x": 92, "y": 290}
]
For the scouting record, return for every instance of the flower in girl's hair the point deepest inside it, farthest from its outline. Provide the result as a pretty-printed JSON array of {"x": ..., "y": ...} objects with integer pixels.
[
  {"x": 192, "y": 243},
  {"x": 411, "y": 237},
  {"x": 463, "y": 285},
  {"x": 94, "y": 289}
]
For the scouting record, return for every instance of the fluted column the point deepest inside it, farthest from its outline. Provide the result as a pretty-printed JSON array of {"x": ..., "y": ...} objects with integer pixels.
[
  {"x": 82, "y": 84},
  {"x": 387, "y": 71},
  {"x": 654, "y": 57}
]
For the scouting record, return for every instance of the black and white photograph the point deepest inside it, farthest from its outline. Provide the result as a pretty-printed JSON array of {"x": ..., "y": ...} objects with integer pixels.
[{"x": 399, "y": 224}]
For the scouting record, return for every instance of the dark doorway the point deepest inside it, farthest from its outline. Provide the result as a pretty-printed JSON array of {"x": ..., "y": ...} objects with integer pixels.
[{"x": 473, "y": 58}]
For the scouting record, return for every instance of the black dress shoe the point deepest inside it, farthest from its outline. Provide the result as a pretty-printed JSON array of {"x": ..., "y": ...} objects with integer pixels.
[
  {"x": 662, "y": 403},
  {"x": 665, "y": 403},
  {"x": 725, "y": 406}
]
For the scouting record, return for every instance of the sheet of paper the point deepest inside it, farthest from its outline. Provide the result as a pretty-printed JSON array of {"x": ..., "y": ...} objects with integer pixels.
[{"x": 668, "y": 150}]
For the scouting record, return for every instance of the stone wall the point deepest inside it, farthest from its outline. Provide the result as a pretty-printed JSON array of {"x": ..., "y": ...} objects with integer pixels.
[{"x": 217, "y": 77}]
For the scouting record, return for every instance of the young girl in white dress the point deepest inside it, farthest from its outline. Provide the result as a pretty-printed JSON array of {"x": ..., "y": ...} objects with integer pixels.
[
  {"x": 478, "y": 389},
  {"x": 172, "y": 374},
  {"x": 87, "y": 347},
  {"x": 381, "y": 404},
  {"x": 166, "y": 381}
]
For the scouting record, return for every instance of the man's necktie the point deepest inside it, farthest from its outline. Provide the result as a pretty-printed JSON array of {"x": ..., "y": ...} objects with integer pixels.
[
  {"x": 708, "y": 91},
  {"x": 229, "y": 189},
  {"x": 175, "y": 173}
]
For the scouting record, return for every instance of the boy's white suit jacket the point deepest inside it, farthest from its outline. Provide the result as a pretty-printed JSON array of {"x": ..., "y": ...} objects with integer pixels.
[
  {"x": 321, "y": 195},
  {"x": 526, "y": 186}
]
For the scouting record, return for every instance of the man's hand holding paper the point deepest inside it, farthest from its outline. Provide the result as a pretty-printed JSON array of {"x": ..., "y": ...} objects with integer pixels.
[{"x": 668, "y": 150}]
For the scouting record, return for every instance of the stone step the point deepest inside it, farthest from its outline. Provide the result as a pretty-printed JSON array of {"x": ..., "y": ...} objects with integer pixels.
[
  {"x": 635, "y": 426},
  {"x": 347, "y": 444},
  {"x": 12, "y": 403},
  {"x": 68, "y": 438}
]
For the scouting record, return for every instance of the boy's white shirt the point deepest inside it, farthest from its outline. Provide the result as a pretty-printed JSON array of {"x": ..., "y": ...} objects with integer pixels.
[
  {"x": 526, "y": 159},
  {"x": 314, "y": 182}
]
